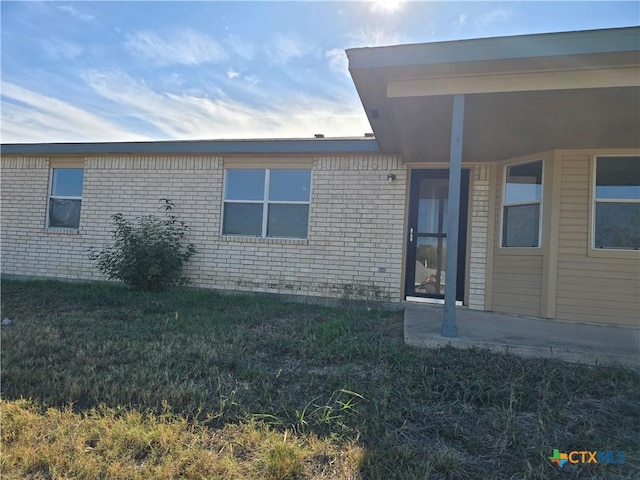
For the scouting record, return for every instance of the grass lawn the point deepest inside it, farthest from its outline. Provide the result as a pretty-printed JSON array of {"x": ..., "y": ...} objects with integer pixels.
[{"x": 102, "y": 382}]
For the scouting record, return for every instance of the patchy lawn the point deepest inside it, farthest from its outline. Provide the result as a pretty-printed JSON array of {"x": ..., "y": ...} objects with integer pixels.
[{"x": 102, "y": 382}]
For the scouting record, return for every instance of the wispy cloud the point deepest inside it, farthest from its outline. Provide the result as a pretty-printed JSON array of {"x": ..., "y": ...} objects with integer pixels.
[
  {"x": 461, "y": 20},
  {"x": 75, "y": 13},
  {"x": 498, "y": 15},
  {"x": 287, "y": 46},
  {"x": 56, "y": 49},
  {"x": 240, "y": 46},
  {"x": 483, "y": 21},
  {"x": 32, "y": 117},
  {"x": 172, "y": 81},
  {"x": 186, "y": 116},
  {"x": 374, "y": 37},
  {"x": 182, "y": 47},
  {"x": 338, "y": 61},
  {"x": 252, "y": 79},
  {"x": 386, "y": 6}
]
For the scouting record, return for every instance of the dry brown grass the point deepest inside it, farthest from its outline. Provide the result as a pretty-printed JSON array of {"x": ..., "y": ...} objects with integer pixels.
[{"x": 126, "y": 444}]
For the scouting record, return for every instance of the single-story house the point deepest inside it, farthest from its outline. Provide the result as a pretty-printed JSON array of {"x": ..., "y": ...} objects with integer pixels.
[{"x": 539, "y": 135}]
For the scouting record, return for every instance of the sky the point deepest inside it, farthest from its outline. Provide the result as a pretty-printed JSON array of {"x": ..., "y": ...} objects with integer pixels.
[{"x": 140, "y": 71}]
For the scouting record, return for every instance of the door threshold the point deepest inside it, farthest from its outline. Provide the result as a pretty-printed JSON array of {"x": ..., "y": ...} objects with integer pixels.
[{"x": 432, "y": 301}]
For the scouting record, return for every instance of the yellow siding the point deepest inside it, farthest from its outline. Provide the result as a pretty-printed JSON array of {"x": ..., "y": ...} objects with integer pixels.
[
  {"x": 517, "y": 284},
  {"x": 605, "y": 290},
  {"x": 517, "y": 279}
]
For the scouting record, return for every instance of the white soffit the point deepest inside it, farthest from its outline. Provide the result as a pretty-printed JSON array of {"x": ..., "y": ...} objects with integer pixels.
[{"x": 515, "y": 82}]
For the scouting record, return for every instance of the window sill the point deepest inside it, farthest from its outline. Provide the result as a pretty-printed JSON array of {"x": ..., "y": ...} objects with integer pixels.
[
  {"x": 276, "y": 241},
  {"x": 613, "y": 253},
  {"x": 520, "y": 251},
  {"x": 62, "y": 231}
]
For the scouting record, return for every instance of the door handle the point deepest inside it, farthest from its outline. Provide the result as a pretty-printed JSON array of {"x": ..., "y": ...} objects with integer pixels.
[{"x": 411, "y": 235}]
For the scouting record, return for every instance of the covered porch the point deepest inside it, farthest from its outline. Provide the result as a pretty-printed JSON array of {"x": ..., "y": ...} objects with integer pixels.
[{"x": 525, "y": 101}]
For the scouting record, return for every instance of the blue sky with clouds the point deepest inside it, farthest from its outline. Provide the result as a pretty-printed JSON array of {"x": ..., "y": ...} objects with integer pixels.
[{"x": 116, "y": 71}]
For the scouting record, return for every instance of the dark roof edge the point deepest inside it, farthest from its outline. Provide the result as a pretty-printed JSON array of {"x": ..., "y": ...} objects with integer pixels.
[
  {"x": 202, "y": 147},
  {"x": 581, "y": 42}
]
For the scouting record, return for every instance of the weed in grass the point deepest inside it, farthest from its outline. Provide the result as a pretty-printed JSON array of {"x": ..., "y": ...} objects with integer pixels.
[{"x": 329, "y": 417}]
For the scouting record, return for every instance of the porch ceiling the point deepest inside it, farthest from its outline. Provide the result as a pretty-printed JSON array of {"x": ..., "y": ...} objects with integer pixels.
[
  {"x": 523, "y": 94},
  {"x": 500, "y": 126}
]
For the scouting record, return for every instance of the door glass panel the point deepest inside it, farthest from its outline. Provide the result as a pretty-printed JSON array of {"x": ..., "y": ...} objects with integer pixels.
[
  {"x": 432, "y": 205},
  {"x": 431, "y": 253},
  {"x": 427, "y": 235}
]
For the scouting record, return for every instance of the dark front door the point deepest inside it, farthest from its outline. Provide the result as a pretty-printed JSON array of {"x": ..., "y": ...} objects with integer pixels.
[{"x": 427, "y": 236}]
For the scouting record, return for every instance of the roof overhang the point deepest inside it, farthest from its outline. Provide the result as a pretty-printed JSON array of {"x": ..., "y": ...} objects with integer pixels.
[
  {"x": 294, "y": 146},
  {"x": 523, "y": 94}
]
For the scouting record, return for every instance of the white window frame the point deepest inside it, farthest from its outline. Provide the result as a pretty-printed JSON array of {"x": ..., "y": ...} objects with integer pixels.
[
  {"x": 594, "y": 201},
  {"x": 505, "y": 204},
  {"x": 265, "y": 203},
  {"x": 51, "y": 196}
]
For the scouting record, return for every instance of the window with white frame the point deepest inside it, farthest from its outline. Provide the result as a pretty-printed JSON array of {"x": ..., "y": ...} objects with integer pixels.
[
  {"x": 65, "y": 199},
  {"x": 522, "y": 205},
  {"x": 617, "y": 203},
  {"x": 267, "y": 202}
]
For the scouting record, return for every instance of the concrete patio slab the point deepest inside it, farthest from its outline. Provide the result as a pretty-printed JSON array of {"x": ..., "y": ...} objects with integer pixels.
[{"x": 583, "y": 343}]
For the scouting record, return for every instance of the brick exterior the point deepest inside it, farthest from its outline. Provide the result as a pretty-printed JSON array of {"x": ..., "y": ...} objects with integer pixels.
[
  {"x": 356, "y": 224},
  {"x": 479, "y": 212}
]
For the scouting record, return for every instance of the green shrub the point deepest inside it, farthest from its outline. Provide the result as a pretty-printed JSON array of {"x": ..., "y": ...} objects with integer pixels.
[{"x": 148, "y": 254}]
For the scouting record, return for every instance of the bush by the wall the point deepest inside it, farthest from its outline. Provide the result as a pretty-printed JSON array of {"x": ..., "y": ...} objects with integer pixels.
[{"x": 148, "y": 254}]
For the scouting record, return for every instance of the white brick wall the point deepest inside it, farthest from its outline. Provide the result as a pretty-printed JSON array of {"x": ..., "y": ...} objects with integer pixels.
[
  {"x": 478, "y": 235},
  {"x": 355, "y": 228}
]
